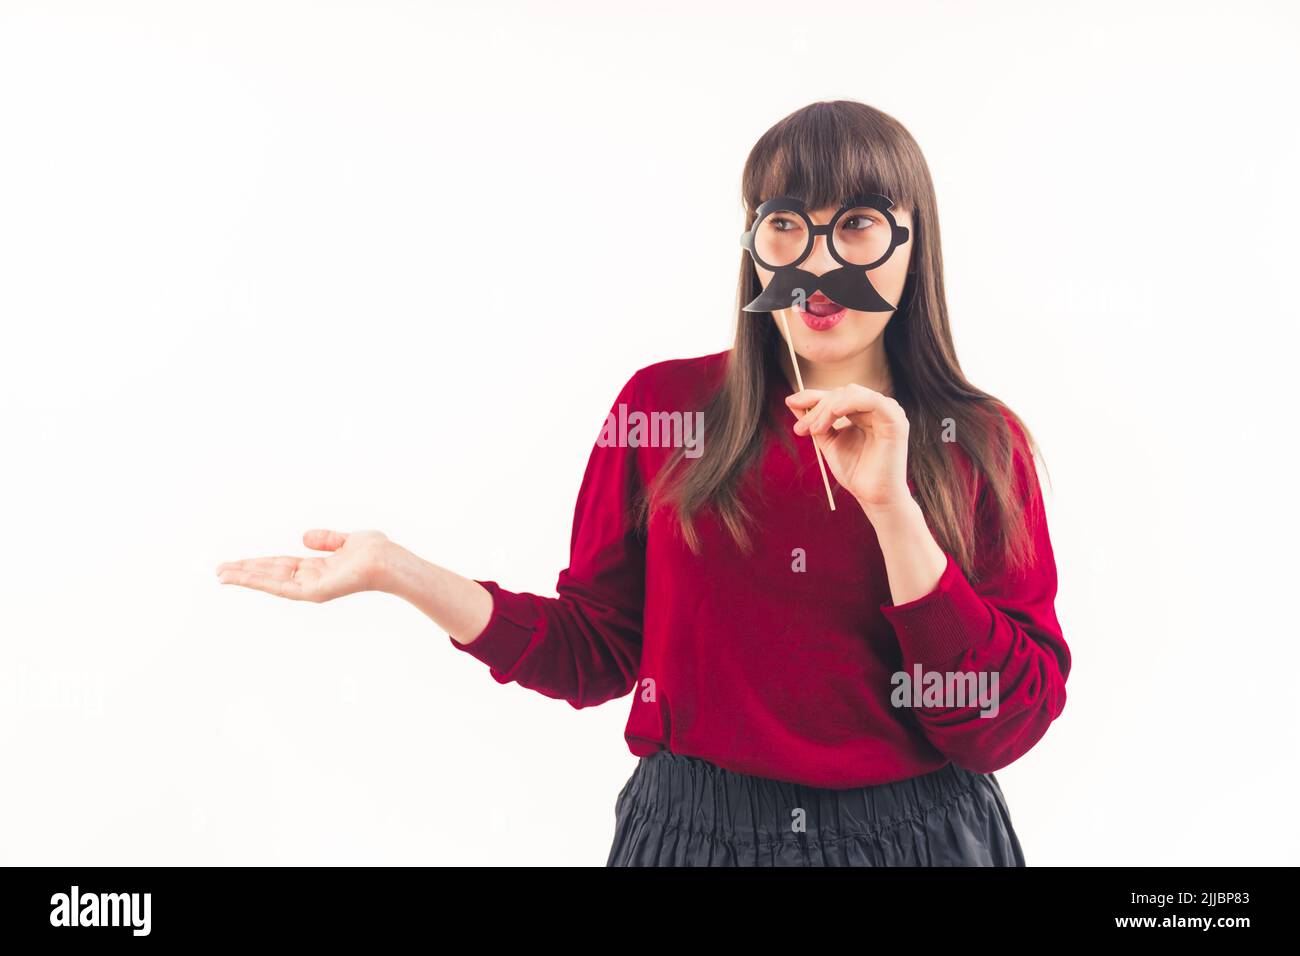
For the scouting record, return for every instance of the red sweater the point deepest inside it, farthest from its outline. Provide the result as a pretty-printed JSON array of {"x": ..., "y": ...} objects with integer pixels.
[{"x": 758, "y": 667}]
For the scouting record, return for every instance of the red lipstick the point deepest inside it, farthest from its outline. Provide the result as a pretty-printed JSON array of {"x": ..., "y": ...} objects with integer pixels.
[{"x": 820, "y": 313}]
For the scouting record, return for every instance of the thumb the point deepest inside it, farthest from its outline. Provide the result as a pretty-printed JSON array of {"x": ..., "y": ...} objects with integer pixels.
[{"x": 321, "y": 539}]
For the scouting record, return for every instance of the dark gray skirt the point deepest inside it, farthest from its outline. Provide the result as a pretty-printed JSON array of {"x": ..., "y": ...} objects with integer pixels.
[{"x": 678, "y": 810}]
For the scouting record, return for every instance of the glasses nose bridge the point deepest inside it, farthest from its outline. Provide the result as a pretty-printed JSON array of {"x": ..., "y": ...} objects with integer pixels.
[{"x": 824, "y": 233}]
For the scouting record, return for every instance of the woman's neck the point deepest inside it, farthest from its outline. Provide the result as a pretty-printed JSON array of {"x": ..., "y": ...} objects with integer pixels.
[{"x": 870, "y": 368}]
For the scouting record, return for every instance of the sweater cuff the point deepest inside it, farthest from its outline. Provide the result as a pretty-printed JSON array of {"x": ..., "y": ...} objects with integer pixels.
[
  {"x": 507, "y": 635},
  {"x": 944, "y": 624}
]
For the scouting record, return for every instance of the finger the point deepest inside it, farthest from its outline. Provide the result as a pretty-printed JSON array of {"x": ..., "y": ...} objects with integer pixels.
[
  {"x": 257, "y": 564},
  {"x": 860, "y": 404},
  {"x": 805, "y": 398},
  {"x": 322, "y": 539},
  {"x": 879, "y": 412},
  {"x": 838, "y": 427},
  {"x": 823, "y": 416},
  {"x": 848, "y": 413},
  {"x": 281, "y": 587},
  {"x": 806, "y": 416}
]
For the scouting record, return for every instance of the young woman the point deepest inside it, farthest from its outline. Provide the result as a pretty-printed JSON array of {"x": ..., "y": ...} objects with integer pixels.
[{"x": 812, "y": 686}]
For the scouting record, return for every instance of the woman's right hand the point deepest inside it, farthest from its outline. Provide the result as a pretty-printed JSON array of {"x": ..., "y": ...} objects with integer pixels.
[{"x": 353, "y": 565}]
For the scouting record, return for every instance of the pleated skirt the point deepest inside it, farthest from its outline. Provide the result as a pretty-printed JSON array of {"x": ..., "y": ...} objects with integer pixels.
[{"x": 678, "y": 810}]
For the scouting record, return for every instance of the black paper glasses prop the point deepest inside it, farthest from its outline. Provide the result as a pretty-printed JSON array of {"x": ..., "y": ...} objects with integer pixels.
[{"x": 860, "y": 236}]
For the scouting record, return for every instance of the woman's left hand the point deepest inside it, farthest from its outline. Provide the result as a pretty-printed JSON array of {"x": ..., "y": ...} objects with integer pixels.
[{"x": 868, "y": 454}]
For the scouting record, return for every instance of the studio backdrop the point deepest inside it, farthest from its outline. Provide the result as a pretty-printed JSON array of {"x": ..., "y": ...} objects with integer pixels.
[{"x": 270, "y": 267}]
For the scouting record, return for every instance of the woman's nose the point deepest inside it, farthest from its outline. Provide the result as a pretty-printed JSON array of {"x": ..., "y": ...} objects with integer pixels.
[{"x": 819, "y": 259}]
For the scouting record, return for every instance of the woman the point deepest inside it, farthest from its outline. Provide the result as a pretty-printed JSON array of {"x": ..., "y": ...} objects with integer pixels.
[{"x": 824, "y": 672}]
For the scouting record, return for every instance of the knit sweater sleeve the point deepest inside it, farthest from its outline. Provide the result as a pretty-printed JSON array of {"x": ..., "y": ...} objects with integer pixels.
[
  {"x": 584, "y": 645},
  {"x": 1003, "y": 629}
]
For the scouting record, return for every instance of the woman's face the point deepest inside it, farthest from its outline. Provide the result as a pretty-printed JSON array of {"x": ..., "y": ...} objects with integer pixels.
[{"x": 841, "y": 336}]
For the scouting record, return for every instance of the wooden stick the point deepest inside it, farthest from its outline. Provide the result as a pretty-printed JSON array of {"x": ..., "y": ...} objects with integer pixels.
[{"x": 794, "y": 360}]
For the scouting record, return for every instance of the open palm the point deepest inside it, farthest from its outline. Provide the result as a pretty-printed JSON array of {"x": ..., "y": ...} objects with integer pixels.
[{"x": 349, "y": 567}]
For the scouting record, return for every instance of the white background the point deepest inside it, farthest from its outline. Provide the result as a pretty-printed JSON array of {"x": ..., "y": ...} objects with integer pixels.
[{"x": 273, "y": 266}]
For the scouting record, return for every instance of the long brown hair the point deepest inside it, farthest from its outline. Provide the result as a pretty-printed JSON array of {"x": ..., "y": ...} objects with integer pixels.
[{"x": 823, "y": 153}]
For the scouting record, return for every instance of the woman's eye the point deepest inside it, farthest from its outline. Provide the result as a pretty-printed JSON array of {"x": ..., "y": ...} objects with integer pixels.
[{"x": 859, "y": 223}]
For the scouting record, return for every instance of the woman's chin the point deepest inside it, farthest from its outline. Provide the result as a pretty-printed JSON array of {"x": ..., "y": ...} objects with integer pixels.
[
  {"x": 820, "y": 352},
  {"x": 834, "y": 345}
]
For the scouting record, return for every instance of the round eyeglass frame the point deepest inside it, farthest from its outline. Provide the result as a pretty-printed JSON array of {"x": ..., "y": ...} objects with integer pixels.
[{"x": 882, "y": 204}]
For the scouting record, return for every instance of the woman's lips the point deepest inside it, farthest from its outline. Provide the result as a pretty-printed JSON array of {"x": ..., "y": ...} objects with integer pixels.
[{"x": 822, "y": 322}]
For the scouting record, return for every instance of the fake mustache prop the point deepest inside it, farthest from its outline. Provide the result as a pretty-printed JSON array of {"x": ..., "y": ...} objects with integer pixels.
[{"x": 847, "y": 286}]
